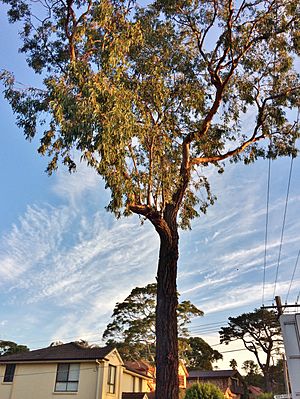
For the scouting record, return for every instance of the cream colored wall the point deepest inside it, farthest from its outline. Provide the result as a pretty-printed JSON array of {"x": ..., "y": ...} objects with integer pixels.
[
  {"x": 115, "y": 360},
  {"x": 37, "y": 381},
  {"x": 128, "y": 383},
  {"x": 5, "y": 388},
  {"x": 181, "y": 372},
  {"x": 145, "y": 385}
]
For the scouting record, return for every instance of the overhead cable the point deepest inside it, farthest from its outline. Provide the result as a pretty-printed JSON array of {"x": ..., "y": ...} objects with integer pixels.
[
  {"x": 283, "y": 225},
  {"x": 292, "y": 278},
  {"x": 266, "y": 232}
]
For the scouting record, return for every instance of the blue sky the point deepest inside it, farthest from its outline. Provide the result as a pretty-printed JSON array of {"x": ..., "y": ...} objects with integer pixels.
[{"x": 65, "y": 262}]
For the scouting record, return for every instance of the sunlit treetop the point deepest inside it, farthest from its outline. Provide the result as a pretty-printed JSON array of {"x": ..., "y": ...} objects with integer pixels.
[{"x": 151, "y": 96}]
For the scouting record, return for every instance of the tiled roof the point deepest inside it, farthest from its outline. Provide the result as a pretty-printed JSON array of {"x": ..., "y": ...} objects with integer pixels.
[
  {"x": 70, "y": 351},
  {"x": 194, "y": 374},
  {"x": 140, "y": 367},
  {"x": 139, "y": 372},
  {"x": 255, "y": 390}
]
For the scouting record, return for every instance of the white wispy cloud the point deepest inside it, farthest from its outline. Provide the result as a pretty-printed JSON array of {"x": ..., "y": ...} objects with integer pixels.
[
  {"x": 36, "y": 236},
  {"x": 69, "y": 264},
  {"x": 75, "y": 259}
]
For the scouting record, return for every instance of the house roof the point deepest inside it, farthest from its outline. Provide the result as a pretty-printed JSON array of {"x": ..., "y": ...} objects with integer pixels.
[
  {"x": 139, "y": 366},
  {"x": 138, "y": 372},
  {"x": 138, "y": 395},
  {"x": 201, "y": 374},
  {"x": 69, "y": 351},
  {"x": 255, "y": 390}
]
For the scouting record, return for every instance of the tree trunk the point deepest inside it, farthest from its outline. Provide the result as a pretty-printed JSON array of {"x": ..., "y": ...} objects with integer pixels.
[
  {"x": 267, "y": 380},
  {"x": 166, "y": 315}
]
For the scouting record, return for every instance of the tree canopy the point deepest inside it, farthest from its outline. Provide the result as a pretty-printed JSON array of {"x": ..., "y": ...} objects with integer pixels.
[
  {"x": 261, "y": 335},
  {"x": 197, "y": 353},
  {"x": 133, "y": 327},
  {"x": 149, "y": 97},
  {"x": 146, "y": 96},
  {"x": 10, "y": 347}
]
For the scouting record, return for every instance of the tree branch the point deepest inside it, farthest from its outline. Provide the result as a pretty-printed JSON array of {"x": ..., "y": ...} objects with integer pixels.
[{"x": 236, "y": 151}]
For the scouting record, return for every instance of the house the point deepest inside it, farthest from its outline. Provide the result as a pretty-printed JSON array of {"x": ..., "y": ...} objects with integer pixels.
[
  {"x": 70, "y": 370},
  {"x": 230, "y": 382},
  {"x": 147, "y": 369},
  {"x": 254, "y": 392}
]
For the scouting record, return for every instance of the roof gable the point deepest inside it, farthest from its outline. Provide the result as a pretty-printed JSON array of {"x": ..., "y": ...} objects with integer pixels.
[{"x": 69, "y": 351}]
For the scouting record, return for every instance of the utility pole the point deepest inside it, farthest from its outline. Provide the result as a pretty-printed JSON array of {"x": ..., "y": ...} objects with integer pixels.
[
  {"x": 280, "y": 310},
  {"x": 278, "y": 305},
  {"x": 286, "y": 376}
]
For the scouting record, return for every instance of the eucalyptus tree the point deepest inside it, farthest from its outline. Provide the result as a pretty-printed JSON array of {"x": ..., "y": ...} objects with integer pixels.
[{"x": 150, "y": 96}]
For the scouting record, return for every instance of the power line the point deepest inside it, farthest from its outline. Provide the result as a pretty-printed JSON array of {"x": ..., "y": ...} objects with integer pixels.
[
  {"x": 283, "y": 225},
  {"x": 91, "y": 334},
  {"x": 208, "y": 324},
  {"x": 292, "y": 278},
  {"x": 235, "y": 350},
  {"x": 266, "y": 232},
  {"x": 53, "y": 372},
  {"x": 207, "y": 331}
]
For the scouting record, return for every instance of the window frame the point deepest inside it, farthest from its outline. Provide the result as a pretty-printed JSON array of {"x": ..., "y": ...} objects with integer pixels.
[
  {"x": 67, "y": 380},
  {"x": 9, "y": 373},
  {"x": 111, "y": 383}
]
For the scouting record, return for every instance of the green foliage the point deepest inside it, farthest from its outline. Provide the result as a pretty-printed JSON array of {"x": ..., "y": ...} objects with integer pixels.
[
  {"x": 9, "y": 347},
  {"x": 203, "y": 391},
  {"x": 132, "y": 330},
  {"x": 233, "y": 364},
  {"x": 277, "y": 377},
  {"x": 253, "y": 375},
  {"x": 260, "y": 333},
  {"x": 149, "y": 99},
  {"x": 197, "y": 353},
  {"x": 259, "y": 329},
  {"x": 266, "y": 395}
]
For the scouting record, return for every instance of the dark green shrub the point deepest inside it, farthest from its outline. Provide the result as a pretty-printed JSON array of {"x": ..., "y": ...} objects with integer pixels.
[
  {"x": 266, "y": 395},
  {"x": 204, "y": 391}
]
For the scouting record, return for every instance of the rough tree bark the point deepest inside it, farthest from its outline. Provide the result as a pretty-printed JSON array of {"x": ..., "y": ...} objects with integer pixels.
[{"x": 166, "y": 310}]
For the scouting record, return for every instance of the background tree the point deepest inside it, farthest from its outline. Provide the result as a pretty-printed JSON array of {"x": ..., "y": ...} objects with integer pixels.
[
  {"x": 9, "y": 347},
  {"x": 197, "y": 353},
  {"x": 204, "y": 391},
  {"x": 233, "y": 364},
  {"x": 277, "y": 377},
  {"x": 151, "y": 96},
  {"x": 260, "y": 333},
  {"x": 133, "y": 327},
  {"x": 253, "y": 375}
]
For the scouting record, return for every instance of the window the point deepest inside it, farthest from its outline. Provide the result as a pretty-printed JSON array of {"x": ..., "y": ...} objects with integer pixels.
[
  {"x": 67, "y": 377},
  {"x": 111, "y": 378},
  {"x": 9, "y": 373}
]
